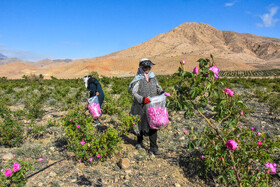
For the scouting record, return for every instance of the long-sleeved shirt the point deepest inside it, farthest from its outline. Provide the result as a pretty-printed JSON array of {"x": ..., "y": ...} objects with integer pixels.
[{"x": 96, "y": 87}]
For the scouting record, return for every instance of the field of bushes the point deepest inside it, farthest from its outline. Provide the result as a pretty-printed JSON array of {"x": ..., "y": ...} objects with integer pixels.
[{"x": 39, "y": 119}]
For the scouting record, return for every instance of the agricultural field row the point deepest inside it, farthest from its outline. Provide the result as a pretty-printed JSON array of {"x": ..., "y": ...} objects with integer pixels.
[{"x": 252, "y": 73}]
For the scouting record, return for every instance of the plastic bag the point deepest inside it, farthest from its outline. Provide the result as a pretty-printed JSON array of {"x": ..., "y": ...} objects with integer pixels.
[
  {"x": 94, "y": 107},
  {"x": 157, "y": 113}
]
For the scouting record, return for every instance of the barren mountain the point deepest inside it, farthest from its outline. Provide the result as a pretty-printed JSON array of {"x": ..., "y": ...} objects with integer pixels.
[
  {"x": 2, "y": 57},
  {"x": 190, "y": 41}
]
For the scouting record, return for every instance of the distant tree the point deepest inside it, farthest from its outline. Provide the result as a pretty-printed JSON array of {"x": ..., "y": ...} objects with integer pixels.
[{"x": 53, "y": 78}]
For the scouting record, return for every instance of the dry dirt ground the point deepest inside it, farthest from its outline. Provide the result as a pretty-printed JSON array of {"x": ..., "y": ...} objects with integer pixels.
[{"x": 172, "y": 168}]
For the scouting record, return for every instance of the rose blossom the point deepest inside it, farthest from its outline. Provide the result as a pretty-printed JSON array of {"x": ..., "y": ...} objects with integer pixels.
[
  {"x": 271, "y": 166},
  {"x": 241, "y": 112},
  {"x": 229, "y": 92},
  {"x": 216, "y": 71},
  {"x": 167, "y": 94},
  {"x": 78, "y": 126},
  {"x": 133, "y": 124},
  {"x": 98, "y": 156},
  {"x": 259, "y": 143},
  {"x": 82, "y": 142},
  {"x": 8, "y": 173},
  {"x": 195, "y": 70},
  {"x": 202, "y": 156},
  {"x": 90, "y": 159},
  {"x": 231, "y": 145},
  {"x": 185, "y": 131},
  {"x": 16, "y": 167},
  {"x": 184, "y": 61},
  {"x": 258, "y": 133},
  {"x": 252, "y": 128},
  {"x": 40, "y": 159}
]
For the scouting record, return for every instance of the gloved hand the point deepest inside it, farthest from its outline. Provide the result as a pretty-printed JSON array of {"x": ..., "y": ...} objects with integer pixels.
[{"x": 146, "y": 100}]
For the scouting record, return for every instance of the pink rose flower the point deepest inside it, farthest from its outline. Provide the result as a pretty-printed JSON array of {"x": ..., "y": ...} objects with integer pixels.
[
  {"x": 195, "y": 70},
  {"x": 205, "y": 84},
  {"x": 98, "y": 156},
  {"x": 8, "y": 173},
  {"x": 184, "y": 61},
  {"x": 82, "y": 142},
  {"x": 231, "y": 145},
  {"x": 2, "y": 169},
  {"x": 252, "y": 128},
  {"x": 185, "y": 131},
  {"x": 216, "y": 71},
  {"x": 40, "y": 159},
  {"x": 167, "y": 94},
  {"x": 15, "y": 155},
  {"x": 271, "y": 166},
  {"x": 229, "y": 92},
  {"x": 16, "y": 167},
  {"x": 259, "y": 143},
  {"x": 223, "y": 159},
  {"x": 241, "y": 113},
  {"x": 78, "y": 126},
  {"x": 90, "y": 159},
  {"x": 258, "y": 133},
  {"x": 202, "y": 156},
  {"x": 133, "y": 124}
]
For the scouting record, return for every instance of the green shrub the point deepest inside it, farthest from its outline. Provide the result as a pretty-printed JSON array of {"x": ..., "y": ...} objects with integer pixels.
[
  {"x": 33, "y": 104},
  {"x": 85, "y": 140},
  {"x": 17, "y": 178},
  {"x": 11, "y": 130}
]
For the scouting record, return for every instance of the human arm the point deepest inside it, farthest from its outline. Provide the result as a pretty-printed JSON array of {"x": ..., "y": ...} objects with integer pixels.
[
  {"x": 98, "y": 87},
  {"x": 92, "y": 88},
  {"x": 159, "y": 88},
  {"x": 134, "y": 93}
]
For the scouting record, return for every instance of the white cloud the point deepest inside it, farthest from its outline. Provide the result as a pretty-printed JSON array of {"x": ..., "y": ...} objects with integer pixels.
[
  {"x": 231, "y": 3},
  {"x": 268, "y": 18},
  {"x": 22, "y": 54}
]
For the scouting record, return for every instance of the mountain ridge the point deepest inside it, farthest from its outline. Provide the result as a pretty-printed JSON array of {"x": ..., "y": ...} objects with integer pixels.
[{"x": 190, "y": 41}]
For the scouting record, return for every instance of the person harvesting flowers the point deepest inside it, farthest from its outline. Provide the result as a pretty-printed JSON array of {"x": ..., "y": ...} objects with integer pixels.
[
  {"x": 144, "y": 86},
  {"x": 95, "y": 89}
]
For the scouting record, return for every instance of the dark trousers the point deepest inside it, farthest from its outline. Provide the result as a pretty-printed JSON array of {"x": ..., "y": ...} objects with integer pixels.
[{"x": 152, "y": 136}]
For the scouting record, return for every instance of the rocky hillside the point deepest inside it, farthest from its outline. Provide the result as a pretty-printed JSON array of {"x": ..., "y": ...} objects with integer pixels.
[{"x": 190, "y": 41}]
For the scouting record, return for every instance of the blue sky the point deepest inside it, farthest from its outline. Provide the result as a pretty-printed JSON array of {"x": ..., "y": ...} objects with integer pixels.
[{"x": 37, "y": 29}]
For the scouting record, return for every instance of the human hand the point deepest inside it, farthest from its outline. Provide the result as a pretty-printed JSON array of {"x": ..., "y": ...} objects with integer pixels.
[{"x": 97, "y": 93}]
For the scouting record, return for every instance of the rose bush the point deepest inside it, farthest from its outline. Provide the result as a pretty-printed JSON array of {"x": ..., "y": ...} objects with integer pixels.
[
  {"x": 229, "y": 153},
  {"x": 86, "y": 141},
  {"x": 13, "y": 173}
]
